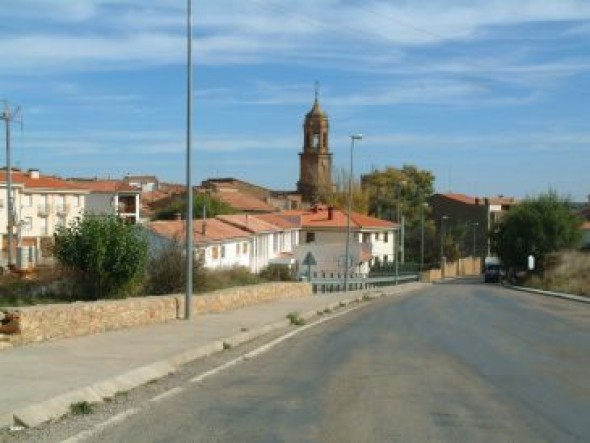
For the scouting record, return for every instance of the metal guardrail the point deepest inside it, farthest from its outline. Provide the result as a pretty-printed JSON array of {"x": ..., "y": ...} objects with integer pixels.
[{"x": 356, "y": 282}]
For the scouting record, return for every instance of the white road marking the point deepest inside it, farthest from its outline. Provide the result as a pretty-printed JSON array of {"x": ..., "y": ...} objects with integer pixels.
[
  {"x": 169, "y": 393},
  {"x": 95, "y": 430},
  {"x": 266, "y": 347}
]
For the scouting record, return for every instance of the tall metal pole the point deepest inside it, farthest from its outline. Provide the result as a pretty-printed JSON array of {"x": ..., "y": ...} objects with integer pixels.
[
  {"x": 8, "y": 116},
  {"x": 421, "y": 236},
  {"x": 442, "y": 239},
  {"x": 474, "y": 225},
  {"x": 347, "y": 250},
  {"x": 399, "y": 231},
  {"x": 188, "y": 305}
]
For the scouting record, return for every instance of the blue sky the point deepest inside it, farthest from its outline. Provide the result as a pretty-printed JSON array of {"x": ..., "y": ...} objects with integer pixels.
[{"x": 492, "y": 96}]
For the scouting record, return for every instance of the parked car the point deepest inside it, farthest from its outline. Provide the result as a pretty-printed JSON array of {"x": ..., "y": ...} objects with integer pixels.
[{"x": 493, "y": 274}]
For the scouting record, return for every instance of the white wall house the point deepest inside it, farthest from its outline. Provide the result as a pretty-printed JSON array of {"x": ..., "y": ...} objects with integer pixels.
[
  {"x": 112, "y": 197},
  {"x": 218, "y": 244},
  {"x": 40, "y": 205},
  {"x": 324, "y": 230},
  {"x": 274, "y": 239}
]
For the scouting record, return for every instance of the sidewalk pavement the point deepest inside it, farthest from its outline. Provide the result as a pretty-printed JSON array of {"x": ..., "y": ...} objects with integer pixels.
[{"x": 39, "y": 382}]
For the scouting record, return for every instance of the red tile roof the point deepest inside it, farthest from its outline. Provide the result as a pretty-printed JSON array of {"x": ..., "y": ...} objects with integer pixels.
[
  {"x": 339, "y": 219},
  {"x": 278, "y": 219},
  {"x": 42, "y": 182},
  {"x": 251, "y": 223},
  {"x": 467, "y": 199},
  {"x": 242, "y": 201},
  {"x": 109, "y": 186},
  {"x": 215, "y": 230}
]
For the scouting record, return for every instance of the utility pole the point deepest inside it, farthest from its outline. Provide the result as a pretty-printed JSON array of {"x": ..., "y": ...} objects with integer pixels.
[
  {"x": 9, "y": 115},
  {"x": 188, "y": 298}
]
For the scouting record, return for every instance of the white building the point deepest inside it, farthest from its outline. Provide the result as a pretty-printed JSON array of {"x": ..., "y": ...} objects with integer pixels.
[
  {"x": 114, "y": 197},
  {"x": 324, "y": 230},
  {"x": 218, "y": 244},
  {"x": 274, "y": 238},
  {"x": 40, "y": 205}
]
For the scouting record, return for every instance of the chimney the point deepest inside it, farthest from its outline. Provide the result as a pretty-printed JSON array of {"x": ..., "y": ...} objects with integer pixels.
[
  {"x": 204, "y": 228},
  {"x": 330, "y": 213},
  {"x": 34, "y": 173},
  {"x": 177, "y": 216}
]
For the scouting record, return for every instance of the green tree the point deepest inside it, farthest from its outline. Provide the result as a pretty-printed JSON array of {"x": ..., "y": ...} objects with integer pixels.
[
  {"x": 338, "y": 197},
  {"x": 408, "y": 186},
  {"x": 107, "y": 255},
  {"x": 407, "y": 189},
  {"x": 213, "y": 207},
  {"x": 536, "y": 226}
]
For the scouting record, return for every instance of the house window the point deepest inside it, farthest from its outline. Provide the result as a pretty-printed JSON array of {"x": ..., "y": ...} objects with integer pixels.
[
  {"x": 366, "y": 238},
  {"x": 376, "y": 236},
  {"x": 244, "y": 248},
  {"x": 27, "y": 200},
  {"x": 215, "y": 252},
  {"x": 43, "y": 225},
  {"x": 275, "y": 243},
  {"x": 61, "y": 221},
  {"x": 386, "y": 237},
  {"x": 309, "y": 237},
  {"x": 223, "y": 252},
  {"x": 28, "y": 224},
  {"x": 385, "y": 259}
]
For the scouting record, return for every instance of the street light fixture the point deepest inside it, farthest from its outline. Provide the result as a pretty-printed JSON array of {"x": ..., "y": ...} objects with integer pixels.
[
  {"x": 442, "y": 239},
  {"x": 398, "y": 245},
  {"x": 423, "y": 206},
  {"x": 188, "y": 305},
  {"x": 474, "y": 226},
  {"x": 353, "y": 138}
]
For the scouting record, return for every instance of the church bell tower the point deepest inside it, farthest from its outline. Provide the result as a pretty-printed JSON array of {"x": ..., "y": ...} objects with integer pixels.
[{"x": 315, "y": 175}]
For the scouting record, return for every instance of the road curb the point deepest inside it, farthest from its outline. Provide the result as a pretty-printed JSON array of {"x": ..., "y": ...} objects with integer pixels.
[
  {"x": 58, "y": 406},
  {"x": 563, "y": 295}
]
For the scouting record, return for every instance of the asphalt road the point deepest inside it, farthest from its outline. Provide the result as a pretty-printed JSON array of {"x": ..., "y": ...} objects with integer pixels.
[{"x": 456, "y": 362}]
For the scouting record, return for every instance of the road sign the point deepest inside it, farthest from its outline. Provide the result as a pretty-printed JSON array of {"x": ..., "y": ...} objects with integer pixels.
[{"x": 309, "y": 260}]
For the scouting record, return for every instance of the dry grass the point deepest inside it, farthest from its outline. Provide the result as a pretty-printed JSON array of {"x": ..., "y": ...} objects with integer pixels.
[{"x": 567, "y": 272}]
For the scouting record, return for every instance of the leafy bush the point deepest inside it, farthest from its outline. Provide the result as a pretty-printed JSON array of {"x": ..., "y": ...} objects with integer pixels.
[
  {"x": 107, "y": 255},
  {"x": 277, "y": 273},
  {"x": 213, "y": 207},
  {"x": 166, "y": 270},
  {"x": 537, "y": 226},
  {"x": 209, "y": 280}
]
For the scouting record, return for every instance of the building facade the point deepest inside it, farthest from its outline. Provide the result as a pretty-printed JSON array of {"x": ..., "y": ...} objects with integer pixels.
[{"x": 41, "y": 204}]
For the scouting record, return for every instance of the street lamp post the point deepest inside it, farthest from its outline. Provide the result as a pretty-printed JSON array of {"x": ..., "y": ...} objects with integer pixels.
[
  {"x": 188, "y": 305},
  {"x": 399, "y": 243},
  {"x": 442, "y": 240},
  {"x": 353, "y": 138},
  {"x": 474, "y": 226},
  {"x": 423, "y": 205}
]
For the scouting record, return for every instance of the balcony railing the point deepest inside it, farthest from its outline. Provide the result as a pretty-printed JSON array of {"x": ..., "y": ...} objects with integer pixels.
[
  {"x": 62, "y": 209},
  {"x": 43, "y": 210}
]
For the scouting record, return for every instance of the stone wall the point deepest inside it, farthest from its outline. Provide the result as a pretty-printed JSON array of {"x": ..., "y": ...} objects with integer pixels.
[
  {"x": 48, "y": 322},
  {"x": 463, "y": 267}
]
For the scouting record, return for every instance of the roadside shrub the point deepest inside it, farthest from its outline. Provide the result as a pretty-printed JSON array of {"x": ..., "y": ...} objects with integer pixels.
[
  {"x": 106, "y": 255},
  {"x": 208, "y": 280},
  {"x": 166, "y": 270},
  {"x": 277, "y": 273},
  {"x": 566, "y": 271}
]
